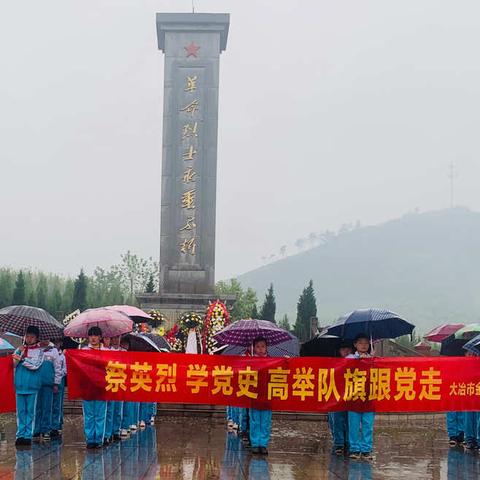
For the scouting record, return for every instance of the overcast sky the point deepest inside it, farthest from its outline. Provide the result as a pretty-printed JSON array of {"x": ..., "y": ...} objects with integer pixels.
[{"x": 330, "y": 112}]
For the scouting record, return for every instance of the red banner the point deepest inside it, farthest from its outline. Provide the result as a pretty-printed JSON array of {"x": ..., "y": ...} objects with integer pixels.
[
  {"x": 7, "y": 397},
  {"x": 311, "y": 384}
]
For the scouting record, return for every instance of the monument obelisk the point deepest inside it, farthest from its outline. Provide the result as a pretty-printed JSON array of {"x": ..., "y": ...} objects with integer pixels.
[{"x": 192, "y": 43}]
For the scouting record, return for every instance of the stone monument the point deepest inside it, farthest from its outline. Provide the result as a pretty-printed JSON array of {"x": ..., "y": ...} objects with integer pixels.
[{"x": 192, "y": 43}]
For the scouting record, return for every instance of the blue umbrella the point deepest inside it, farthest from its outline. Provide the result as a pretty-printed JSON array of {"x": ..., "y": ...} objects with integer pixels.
[
  {"x": 375, "y": 323},
  {"x": 473, "y": 345}
]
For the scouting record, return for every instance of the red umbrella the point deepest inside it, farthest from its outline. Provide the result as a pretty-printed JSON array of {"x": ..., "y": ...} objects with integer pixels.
[
  {"x": 441, "y": 332},
  {"x": 136, "y": 314},
  {"x": 111, "y": 322}
]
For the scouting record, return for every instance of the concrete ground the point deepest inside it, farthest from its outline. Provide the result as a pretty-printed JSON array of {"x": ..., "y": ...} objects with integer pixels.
[{"x": 201, "y": 449}]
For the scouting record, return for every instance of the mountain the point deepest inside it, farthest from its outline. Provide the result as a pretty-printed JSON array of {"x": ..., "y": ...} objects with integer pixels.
[{"x": 424, "y": 266}]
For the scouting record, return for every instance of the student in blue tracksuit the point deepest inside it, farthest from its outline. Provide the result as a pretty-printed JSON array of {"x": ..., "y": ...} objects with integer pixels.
[
  {"x": 471, "y": 423},
  {"x": 106, "y": 341},
  {"x": 338, "y": 421},
  {"x": 117, "y": 406},
  {"x": 27, "y": 360},
  {"x": 360, "y": 425},
  {"x": 51, "y": 378},
  {"x": 129, "y": 413},
  {"x": 455, "y": 427},
  {"x": 94, "y": 411},
  {"x": 260, "y": 420},
  {"x": 59, "y": 395}
]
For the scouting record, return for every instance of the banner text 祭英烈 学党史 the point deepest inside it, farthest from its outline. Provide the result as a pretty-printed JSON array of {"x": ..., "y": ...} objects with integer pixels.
[{"x": 311, "y": 384}]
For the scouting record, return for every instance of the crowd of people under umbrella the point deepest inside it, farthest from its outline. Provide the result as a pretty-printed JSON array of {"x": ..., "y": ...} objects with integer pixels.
[{"x": 37, "y": 340}]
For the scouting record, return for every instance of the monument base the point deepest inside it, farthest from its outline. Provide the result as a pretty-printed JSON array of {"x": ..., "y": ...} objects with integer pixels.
[{"x": 173, "y": 305}]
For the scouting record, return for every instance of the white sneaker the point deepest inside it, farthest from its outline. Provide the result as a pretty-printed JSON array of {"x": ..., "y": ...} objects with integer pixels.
[
  {"x": 152, "y": 421},
  {"x": 123, "y": 432},
  {"x": 142, "y": 424},
  {"x": 230, "y": 424},
  {"x": 133, "y": 428},
  {"x": 235, "y": 426}
]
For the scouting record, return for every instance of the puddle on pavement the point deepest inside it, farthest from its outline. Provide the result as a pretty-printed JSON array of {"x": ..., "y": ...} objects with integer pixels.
[{"x": 201, "y": 449}]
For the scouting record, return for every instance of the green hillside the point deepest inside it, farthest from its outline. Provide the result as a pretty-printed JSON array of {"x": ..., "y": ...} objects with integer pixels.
[{"x": 425, "y": 267}]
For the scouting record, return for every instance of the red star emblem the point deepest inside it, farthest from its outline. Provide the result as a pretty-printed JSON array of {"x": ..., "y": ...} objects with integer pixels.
[{"x": 192, "y": 50}]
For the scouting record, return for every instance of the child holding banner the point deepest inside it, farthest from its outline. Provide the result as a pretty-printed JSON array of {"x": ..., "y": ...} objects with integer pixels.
[
  {"x": 27, "y": 361},
  {"x": 360, "y": 425},
  {"x": 94, "y": 411},
  {"x": 260, "y": 420},
  {"x": 338, "y": 421}
]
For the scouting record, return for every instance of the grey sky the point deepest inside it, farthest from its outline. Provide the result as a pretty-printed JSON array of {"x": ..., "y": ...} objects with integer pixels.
[{"x": 330, "y": 112}]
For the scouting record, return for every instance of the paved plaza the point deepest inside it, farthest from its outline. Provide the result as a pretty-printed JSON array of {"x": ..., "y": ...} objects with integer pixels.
[{"x": 201, "y": 449}]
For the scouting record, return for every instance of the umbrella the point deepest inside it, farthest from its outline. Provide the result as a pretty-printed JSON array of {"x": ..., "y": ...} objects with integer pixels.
[
  {"x": 290, "y": 348},
  {"x": 158, "y": 340},
  {"x": 244, "y": 332},
  {"x": 473, "y": 345},
  {"x": 141, "y": 343},
  {"x": 467, "y": 332},
  {"x": 321, "y": 346},
  {"x": 453, "y": 347},
  {"x": 111, "y": 322},
  {"x": 5, "y": 347},
  {"x": 443, "y": 331},
  {"x": 14, "y": 340},
  {"x": 16, "y": 318},
  {"x": 136, "y": 314},
  {"x": 375, "y": 323}
]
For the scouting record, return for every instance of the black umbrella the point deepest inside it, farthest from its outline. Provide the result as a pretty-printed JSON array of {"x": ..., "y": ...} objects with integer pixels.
[
  {"x": 141, "y": 342},
  {"x": 453, "y": 347},
  {"x": 322, "y": 346},
  {"x": 16, "y": 319},
  {"x": 158, "y": 340}
]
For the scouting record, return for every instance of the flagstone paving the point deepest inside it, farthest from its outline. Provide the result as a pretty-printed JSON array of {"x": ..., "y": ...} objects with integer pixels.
[{"x": 201, "y": 449}]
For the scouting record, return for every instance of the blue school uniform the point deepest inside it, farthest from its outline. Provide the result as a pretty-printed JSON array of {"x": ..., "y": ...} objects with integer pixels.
[
  {"x": 260, "y": 423},
  {"x": 94, "y": 417},
  {"x": 58, "y": 398},
  {"x": 338, "y": 423},
  {"x": 455, "y": 425},
  {"x": 360, "y": 427},
  {"x": 471, "y": 427},
  {"x": 27, "y": 384},
  {"x": 50, "y": 373}
]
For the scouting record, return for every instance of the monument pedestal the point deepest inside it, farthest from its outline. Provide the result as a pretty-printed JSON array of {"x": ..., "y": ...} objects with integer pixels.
[{"x": 173, "y": 305}]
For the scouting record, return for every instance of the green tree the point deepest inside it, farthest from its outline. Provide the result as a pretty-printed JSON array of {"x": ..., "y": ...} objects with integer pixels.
[
  {"x": 32, "y": 299},
  {"x": 269, "y": 306},
  {"x": 245, "y": 299},
  {"x": 150, "y": 288},
  {"x": 135, "y": 273},
  {"x": 254, "y": 313},
  {"x": 41, "y": 292},
  {"x": 79, "y": 300},
  {"x": 306, "y": 309},
  {"x": 19, "y": 291},
  {"x": 284, "y": 323},
  {"x": 55, "y": 302},
  {"x": 67, "y": 297},
  {"x": 6, "y": 287}
]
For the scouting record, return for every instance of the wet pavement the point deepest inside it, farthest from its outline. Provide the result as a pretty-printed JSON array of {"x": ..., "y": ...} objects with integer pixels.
[{"x": 201, "y": 449}]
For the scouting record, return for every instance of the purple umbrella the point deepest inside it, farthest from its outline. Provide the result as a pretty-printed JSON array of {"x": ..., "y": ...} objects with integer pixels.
[
  {"x": 244, "y": 332},
  {"x": 111, "y": 322}
]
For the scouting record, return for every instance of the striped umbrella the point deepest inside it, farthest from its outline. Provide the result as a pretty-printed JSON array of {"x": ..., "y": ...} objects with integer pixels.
[
  {"x": 244, "y": 332},
  {"x": 111, "y": 322},
  {"x": 16, "y": 318}
]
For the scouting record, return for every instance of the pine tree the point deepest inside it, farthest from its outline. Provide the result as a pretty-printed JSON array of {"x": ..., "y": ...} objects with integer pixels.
[
  {"x": 254, "y": 313},
  {"x": 306, "y": 309},
  {"x": 80, "y": 292},
  {"x": 6, "y": 287},
  {"x": 150, "y": 288},
  {"x": 32, "y": 299},
  {"x": 19, "y": 292},
  {"x": 41, "y": 292},
  {"x": 284, "y": 323},
  {"x": 269, "y": 306}
]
